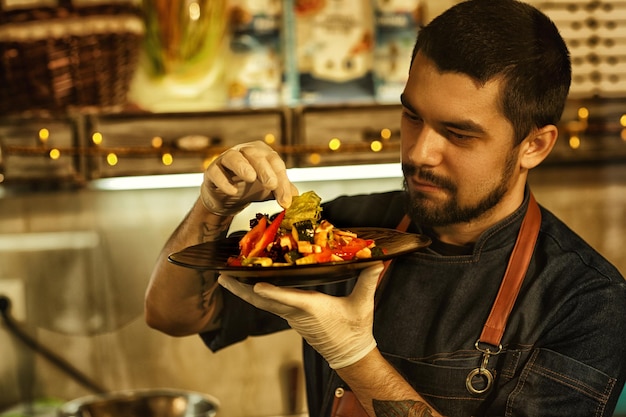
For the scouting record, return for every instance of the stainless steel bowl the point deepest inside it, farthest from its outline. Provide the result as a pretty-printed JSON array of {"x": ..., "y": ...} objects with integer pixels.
[{"x": 142, "y": 403}]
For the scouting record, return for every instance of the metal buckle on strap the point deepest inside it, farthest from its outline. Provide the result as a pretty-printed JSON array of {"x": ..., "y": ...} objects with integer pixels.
[{"x": 482, "y": 373}]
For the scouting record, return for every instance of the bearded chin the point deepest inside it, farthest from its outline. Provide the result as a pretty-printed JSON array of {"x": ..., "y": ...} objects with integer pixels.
[{"x": 424, "y": 213}]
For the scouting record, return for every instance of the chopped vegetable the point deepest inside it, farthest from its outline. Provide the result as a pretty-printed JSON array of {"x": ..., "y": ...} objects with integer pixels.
[
  {"x": 303, "y": 207},
  {"x": 322, "y": 232},
  {"x": 257, "y": 260},
  {"x": 297, "y": 236},
  {"x": 248, "y": 242},
  {"x": 268, "y": 236},
  {"x": 292, "y": 256},
  {"x": 303, "y": 231}
]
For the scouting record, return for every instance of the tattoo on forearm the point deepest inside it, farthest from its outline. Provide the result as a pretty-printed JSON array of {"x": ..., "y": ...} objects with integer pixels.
[
  {"x": 407, "y": 408},
  {"x": 214, "y": 231}
]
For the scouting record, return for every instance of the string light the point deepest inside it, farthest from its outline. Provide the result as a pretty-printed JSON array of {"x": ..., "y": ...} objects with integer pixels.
[
  {"x": 167, "y": 159},
  {"x": 156, "y": 142},
  {"x": 574, "y": 142},
  {"x": 270, "y": 138},
  {"x": 97, "y": 138},
  {"x": 44, "y": 135},
  {"x": 112, "y": 155},
  {"x": 112, "y": 159},
  {"x": 315, "y": 158},
  {"x": 583, "y": 113}
]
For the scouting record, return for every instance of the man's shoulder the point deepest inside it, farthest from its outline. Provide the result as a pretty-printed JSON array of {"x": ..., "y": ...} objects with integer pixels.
[{"x": 577, "y": 255}]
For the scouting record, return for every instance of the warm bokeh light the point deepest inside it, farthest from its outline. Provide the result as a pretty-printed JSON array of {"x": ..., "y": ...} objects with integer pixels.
[
  {"x": 112, "y": 159},
  {"x": 207, "y": 161},
  {"x": 574, "y": 142},
  {"x": 55, "y": 154},
  {"x": 167, "y": 159},
  {"x": 44, "y": 134},
  {"x": 270, "y": 138},
  {"x": 376, "y": 146},
  {"x": 194, "y": 11},
  {"x": 334, "y": 144},
  {"x": 157, "y": 142},
  {"x": 583, "y": 113},
  {"x": 385, "y": 133},
  {"x": 315, "y": 159},
  {"x": 622, "y": 120},
  {"x": 97, "y": 138},
  {"x": 623, "y": 135}
]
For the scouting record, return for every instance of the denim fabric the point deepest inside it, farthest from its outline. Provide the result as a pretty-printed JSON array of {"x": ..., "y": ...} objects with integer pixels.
[{"x": 564, "y": 348}]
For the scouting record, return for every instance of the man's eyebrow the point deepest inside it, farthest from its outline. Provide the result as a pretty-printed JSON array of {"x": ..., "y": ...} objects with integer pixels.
[
  {"x": 405, "y": 103},
  {"x": 464, "y": 125}
]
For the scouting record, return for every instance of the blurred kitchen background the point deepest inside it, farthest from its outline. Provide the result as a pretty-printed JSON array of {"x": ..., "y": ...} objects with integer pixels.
[{"x": 110, "y": 111}]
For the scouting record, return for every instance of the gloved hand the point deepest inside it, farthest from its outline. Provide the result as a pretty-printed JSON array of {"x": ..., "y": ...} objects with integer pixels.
[
  {"x": 245, "y": 173},
  {"x": 339, "y": 328}
]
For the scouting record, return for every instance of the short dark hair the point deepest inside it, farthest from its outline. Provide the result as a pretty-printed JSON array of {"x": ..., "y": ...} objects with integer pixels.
[{"x": 509, "y": 39}]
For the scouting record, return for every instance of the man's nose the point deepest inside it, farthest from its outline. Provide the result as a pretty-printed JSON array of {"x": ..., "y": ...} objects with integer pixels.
[{"x": 425, "y": 148}]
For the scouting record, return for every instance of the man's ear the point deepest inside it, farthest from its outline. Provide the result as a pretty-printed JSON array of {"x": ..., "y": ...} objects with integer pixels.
[{"x": 538, "y": 145}]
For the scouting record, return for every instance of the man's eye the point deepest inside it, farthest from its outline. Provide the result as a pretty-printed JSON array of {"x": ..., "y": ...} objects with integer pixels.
[
  {"x": 411, "y": 116},
  {"x": 458, "y": 136}
]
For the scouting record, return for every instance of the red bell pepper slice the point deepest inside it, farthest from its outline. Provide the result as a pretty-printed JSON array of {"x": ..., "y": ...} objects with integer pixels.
[
  {"x": 347, "y": 252},
  {"x": 234, "y": 261},
  {"x": 324, "y": 256},
  {"x": 268, "y": 235},
  {"x": 249, "y": 240}
]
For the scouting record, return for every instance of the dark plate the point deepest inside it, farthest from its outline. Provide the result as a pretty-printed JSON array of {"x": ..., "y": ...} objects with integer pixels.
[{"x": 212, "y": 256}]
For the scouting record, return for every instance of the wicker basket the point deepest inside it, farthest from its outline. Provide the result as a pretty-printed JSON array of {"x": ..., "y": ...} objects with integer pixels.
[{"x": 68, "y": 58}]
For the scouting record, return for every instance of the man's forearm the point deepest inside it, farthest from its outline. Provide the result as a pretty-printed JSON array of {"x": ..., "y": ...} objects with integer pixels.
[
  {"x": 382, "y": 391},
  {"x": 410, "y": 408},
  {"x": 197, "y": 227},
  {"x": 181, "y": 301}
]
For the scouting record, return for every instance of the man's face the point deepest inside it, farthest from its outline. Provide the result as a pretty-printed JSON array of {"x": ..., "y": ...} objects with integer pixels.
[{"x": 458, "y": 157}]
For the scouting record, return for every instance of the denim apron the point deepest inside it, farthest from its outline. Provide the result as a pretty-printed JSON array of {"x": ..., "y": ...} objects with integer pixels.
[{"x": 431, "y": 315}]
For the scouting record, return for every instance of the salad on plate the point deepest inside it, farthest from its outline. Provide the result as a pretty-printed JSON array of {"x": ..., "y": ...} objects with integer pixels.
[{"x": 299, "y": 236}]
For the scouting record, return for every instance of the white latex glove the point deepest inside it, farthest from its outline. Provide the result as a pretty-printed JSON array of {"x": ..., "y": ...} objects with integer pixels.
[
  {"x": 245, "y": 173},
  {"x": 339, "y": 328}
]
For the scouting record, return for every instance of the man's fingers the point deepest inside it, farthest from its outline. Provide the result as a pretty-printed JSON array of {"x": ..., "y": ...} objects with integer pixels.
[
  {"x": 238, "y": 164},
  {"x": 227, "y": 171},
  {"x": 251, "y": 163},
  {"x": 251, "y": 294},
  {"x": 366, "y": 284},
  {"x": 288, "y": 296},
  {"x": 240, "y": 289},
  {"x": 285, "y": 192}
]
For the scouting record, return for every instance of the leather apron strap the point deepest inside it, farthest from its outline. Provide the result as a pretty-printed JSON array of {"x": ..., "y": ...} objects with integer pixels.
[
  {"x": 515, "y": 272},
  {"x": 480, "y": 380}
]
